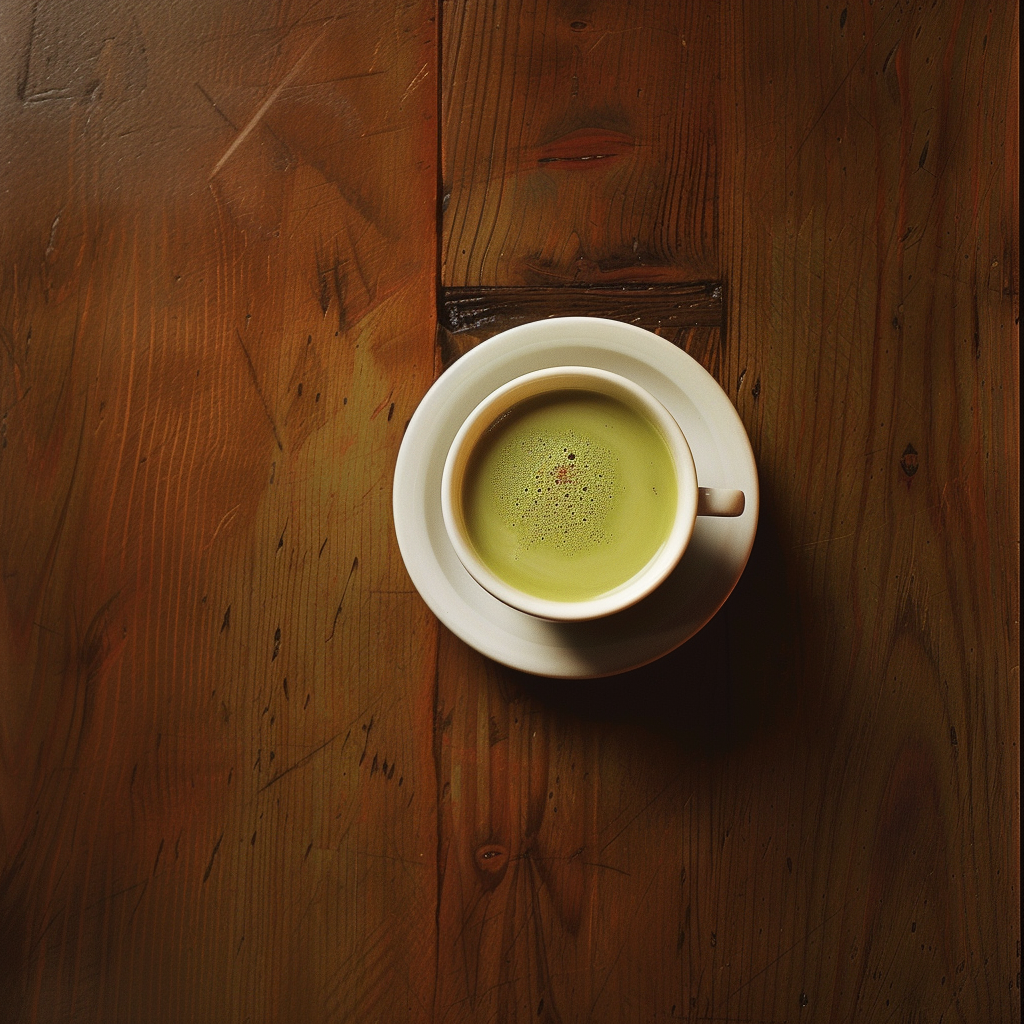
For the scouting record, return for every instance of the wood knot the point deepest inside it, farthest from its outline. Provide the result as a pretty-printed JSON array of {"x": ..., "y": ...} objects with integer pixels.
[
  {"x": 491, "y": 861},
  {"x": 584, "y": 147}
]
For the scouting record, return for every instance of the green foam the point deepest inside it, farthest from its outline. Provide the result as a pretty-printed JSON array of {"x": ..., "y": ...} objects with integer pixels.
[{"x": 569, "y": 495}]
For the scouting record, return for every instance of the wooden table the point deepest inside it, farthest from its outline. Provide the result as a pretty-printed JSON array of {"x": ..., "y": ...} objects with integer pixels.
[{"x": 244, "y": 774}]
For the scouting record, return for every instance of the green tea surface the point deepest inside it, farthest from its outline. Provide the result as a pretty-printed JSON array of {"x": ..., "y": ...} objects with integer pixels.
[{"x": 569, "y": 495}]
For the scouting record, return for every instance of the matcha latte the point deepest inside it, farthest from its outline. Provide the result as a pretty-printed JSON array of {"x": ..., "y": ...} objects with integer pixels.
[{"x": 569, "y": 495}]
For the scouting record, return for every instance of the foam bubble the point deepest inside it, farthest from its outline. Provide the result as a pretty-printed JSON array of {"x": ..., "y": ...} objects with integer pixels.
[{"x": 556, "y": 490}]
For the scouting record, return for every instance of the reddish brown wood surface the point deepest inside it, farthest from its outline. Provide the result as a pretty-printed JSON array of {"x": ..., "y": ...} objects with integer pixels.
[
  {"x": 244, "y": 775},
  {"x": 217, "y": 292},
  {"x": 580, "y": 142}
]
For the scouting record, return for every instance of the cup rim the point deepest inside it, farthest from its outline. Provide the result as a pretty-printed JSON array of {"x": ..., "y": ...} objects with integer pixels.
[{"x": 583, "y": 378}]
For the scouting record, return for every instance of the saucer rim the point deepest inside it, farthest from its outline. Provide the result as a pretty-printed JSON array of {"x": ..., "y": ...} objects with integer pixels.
[{"x": 525, "y": 346}]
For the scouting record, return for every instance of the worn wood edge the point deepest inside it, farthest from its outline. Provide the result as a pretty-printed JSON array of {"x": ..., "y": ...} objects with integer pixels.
[{"x": 699, "y": 304}]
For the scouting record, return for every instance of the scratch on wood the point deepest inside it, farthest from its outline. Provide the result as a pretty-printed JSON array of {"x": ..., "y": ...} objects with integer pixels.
[
  {"x": 267, "y": 104},
  {"x": 259, "y": 390},
  {"x": 225, "y": 519},
  {"x": 786, "y": 952},
  {"x": 331, "y": 276},
  {"x": 854, "y": 64},
  {"x": 334, "y": 624},
  {"x": 209, "y": 867},
  {"x": 420, "y": 75},
  {"x": 305, "y": 760},
  {"x": 114, "y": 895},
  {"x": 23, "y": 81},
  {"x": 383, "y": 405},
  {"x": 212, "y": 102},
  {"x": 368, "y": 728},
  {"x": 138, "y": 902},
  {"x": 654, "y": 799}
]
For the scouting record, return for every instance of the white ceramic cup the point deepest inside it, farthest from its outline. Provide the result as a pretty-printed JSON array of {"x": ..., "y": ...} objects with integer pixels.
[{"x": 691, "y": 499}]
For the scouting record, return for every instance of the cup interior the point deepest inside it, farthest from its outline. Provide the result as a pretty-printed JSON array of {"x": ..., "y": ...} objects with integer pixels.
[{"x": 569, "y": 379}]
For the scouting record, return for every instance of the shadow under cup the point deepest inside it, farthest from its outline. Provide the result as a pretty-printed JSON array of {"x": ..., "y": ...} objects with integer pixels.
[{"x": 570, "y": 493}]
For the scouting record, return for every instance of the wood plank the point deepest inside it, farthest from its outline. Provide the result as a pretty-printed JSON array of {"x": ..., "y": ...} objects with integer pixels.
[
  {"x": 568, "y": 809},
  {"x": 811, "y": 810},
  {"x": 216, "y": 313},
  {"x": 580, "y": 142},
  {"x": 228, "y": 788},
  {"x": 879, "y": 318}
]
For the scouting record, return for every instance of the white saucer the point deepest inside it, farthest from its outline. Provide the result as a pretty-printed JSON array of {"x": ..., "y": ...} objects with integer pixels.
[{"x": 684, "y": 603}]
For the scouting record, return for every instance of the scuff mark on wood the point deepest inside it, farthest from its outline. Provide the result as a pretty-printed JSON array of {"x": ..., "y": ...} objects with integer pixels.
[
  {"x": 259, "y": 390},
  {"x": 209, "y": 867},
  {"x": 341, "y": 603}
]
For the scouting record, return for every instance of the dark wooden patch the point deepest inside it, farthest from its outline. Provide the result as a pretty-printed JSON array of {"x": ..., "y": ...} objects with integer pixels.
[
  {"x": 690, "y": 316},
  {"x": 668, "y": 306}
]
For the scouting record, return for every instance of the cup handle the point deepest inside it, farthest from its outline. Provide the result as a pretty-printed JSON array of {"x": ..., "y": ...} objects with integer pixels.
[{"x": 719, "y": 501}]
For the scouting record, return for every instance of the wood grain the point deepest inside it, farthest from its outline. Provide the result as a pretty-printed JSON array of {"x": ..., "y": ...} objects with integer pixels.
[
  {"x": 580, "y": 142},
  {"x": 244, "y": 774},
  {"x": 812, "y": 812},
  {"x": 884, "y": 217},
  {"x": 217, "y": 317}
]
